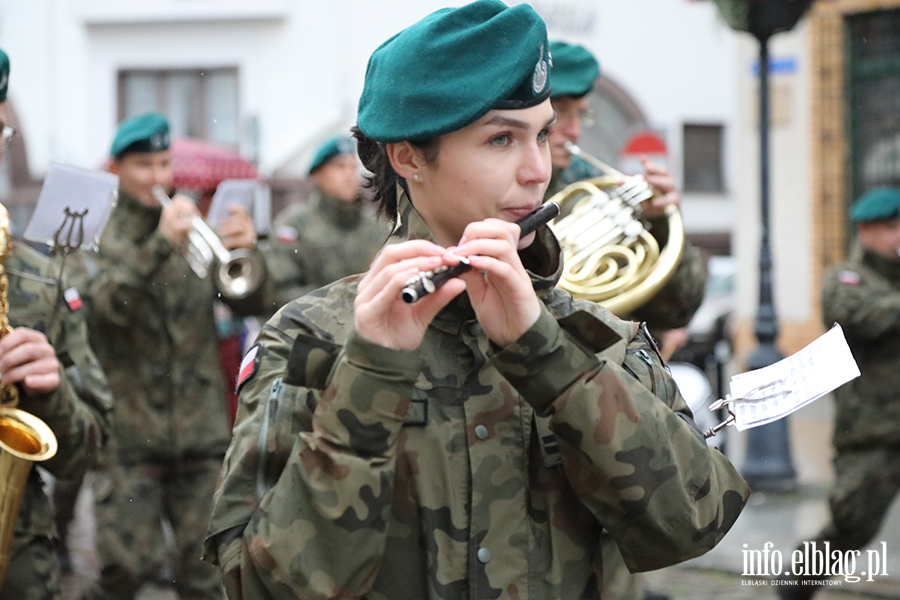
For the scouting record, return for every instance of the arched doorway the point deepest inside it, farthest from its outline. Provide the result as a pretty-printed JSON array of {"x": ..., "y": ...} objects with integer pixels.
[{"x": 616, "y": 117}]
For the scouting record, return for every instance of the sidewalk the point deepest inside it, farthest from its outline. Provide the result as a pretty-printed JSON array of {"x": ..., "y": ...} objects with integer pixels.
[{"x": 784, "y": 520}]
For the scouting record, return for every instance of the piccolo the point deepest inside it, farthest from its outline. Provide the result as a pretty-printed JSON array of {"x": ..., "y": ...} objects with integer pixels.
[{"x": 427, "y": 282}]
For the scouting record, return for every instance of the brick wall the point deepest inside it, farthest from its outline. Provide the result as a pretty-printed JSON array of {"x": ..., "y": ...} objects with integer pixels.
[{"x": 830, "y": 155}]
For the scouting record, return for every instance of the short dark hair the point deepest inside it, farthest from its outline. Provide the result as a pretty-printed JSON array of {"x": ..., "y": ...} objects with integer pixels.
[{"x": 382, "y": 179}]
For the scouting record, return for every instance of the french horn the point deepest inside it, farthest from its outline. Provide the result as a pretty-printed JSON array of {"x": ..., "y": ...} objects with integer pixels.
[
  {"x": 236, "y": 274},
  {"x": 609, "y": 255},
  {"x": 24, "y": 439}
]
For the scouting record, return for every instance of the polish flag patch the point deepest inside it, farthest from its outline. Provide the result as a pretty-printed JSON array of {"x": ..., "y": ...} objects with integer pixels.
[
  {"x": 849, "y": 277},
  {"x": 287, "y": 234},
  {"x": 249, "y": 366},
  {"x": 73, "y": 299}
]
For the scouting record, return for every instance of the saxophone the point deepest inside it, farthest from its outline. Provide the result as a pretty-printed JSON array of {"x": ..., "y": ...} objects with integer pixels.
[{"x": 24, "y": 439}]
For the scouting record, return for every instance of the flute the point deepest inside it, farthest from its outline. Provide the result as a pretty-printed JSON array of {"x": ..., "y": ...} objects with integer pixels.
[{"x": 427, "y": 282}]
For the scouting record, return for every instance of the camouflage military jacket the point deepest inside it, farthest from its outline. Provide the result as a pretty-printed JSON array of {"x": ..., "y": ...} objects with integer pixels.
[
  {"x": 675, "y": 304},
  {"x": 863, "y": 295},
  {"x": 320, "y": 241},
  {"x": 78, "y": 412},
  {"x": 153, "y": 329},
  {"x": 460, "y": 470}
]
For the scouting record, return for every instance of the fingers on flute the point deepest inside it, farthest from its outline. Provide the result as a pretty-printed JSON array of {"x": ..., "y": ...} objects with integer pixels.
[
  {"x": 395, "y": 265},
  {"x": 429, "y": 306},
  {"x": 492, "y": 229}
]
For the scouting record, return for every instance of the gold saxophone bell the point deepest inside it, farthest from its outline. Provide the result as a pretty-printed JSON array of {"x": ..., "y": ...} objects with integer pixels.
[
  {"x": 609, "y": 256},
  {"x": 236, "y": 274},
  {"x": 24, "y": 439}
]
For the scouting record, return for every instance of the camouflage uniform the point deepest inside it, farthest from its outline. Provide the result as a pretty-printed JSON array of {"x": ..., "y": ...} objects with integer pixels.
[
  {"x": 154, "y": 332},
  {"x": 77, "y": 413},
  {"x": 320, "y": 241},
  {"x": 672, "y": 307},
  {"x": 863, "y": 296},
  {"x": 460, "y": 470}
]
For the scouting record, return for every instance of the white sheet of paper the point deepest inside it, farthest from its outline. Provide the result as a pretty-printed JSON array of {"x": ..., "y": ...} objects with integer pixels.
[
  {"x": 232, "y": 192},
  {"x": 77, "y": 189},
  {"x": 793, "y": 382}
]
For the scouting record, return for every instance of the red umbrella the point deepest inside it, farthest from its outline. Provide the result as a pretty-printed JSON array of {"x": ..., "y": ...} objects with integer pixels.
[{"x": 200, "y": 165}]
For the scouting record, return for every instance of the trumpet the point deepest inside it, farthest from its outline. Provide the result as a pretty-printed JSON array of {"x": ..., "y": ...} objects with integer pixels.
[{"x": 236, "y": 274}]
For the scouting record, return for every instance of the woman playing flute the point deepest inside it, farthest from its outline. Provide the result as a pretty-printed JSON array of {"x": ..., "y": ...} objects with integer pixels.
[{"x": 472, "y": 444}]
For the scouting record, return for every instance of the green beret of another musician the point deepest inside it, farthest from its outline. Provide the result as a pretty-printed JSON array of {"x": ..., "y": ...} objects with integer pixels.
[
  {"x": 414, "y": 92},
  {"x": 574, "y": 70},
  {"x": 877, "y": 205},
  {"x": 143, "y": 133},
  {"x": 4, "y": 75},
  {"x": 338, "y": 145}
]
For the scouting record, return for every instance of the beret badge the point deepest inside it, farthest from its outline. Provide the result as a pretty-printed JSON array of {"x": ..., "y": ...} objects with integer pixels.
[{"x": 540, "y": 74}]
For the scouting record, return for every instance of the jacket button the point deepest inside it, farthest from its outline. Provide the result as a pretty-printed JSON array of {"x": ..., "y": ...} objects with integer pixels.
[
  {"x": 481, "y": 432},
  {"x": 476, "y": 329},
  {"x": 484, "y": 555}
]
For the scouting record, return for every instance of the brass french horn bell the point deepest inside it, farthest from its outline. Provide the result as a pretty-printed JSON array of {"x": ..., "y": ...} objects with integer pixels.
[
  {"x": 236, "y": 274},
  {"x": 609, "y": 255},
  {"x": 24, "y": 439}
]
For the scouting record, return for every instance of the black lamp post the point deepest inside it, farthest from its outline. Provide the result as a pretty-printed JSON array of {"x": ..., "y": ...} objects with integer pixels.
[{"x": 768, "y": 464}]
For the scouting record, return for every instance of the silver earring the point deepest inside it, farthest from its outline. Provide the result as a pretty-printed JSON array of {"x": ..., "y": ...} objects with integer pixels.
[{"x": 415, "y": 176}]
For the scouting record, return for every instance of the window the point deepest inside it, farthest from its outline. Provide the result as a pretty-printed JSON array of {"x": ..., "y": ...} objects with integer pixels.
[
  {"x": 703, "y": 159},
  {"x": 874, "y": 94},
  {"x": 199, "y": 103}
]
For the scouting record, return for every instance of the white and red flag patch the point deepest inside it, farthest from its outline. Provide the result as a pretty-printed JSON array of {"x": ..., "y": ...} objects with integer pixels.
[
  {"x": 849, "y": 277},
  {"x": 287, "y": 234},
  {"x": 249, "y": 366},
  {"x": 73, "y": 299}
]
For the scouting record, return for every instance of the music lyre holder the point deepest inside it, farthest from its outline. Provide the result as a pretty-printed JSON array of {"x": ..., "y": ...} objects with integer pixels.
[
  {"x": 728, "y": 403},
  {"x": 66, "y": 240}
]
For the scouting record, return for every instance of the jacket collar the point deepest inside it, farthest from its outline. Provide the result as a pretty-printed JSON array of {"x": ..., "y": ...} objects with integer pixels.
[
  {"x": 345, "y": 215},
  {"x": 888, "y": 267}
]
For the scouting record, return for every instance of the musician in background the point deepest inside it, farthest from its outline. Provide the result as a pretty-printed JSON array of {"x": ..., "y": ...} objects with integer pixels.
[
  {"x": 473, "y": 444},
  {"x": 574, "y": 72},
  {"x": 155, "y": 335},
  {"x": 48, "y": 358},
  {"x": 330, "y": 235},
  {"x": 862, "y": 295}
]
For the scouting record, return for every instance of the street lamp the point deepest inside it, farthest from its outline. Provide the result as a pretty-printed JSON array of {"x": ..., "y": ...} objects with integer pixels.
[{"x": 768, "y": 464}]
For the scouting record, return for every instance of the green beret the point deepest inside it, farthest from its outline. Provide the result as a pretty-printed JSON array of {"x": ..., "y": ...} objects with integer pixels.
[
  {"x": 143, "y": 133},
  {"x": 4, "y": 75},
  {"x": 452, "y": 67},
  {"x": 876, "y": 205},
  {"x": 335, "y": 146},
  {"x": 574, "y": 70}
]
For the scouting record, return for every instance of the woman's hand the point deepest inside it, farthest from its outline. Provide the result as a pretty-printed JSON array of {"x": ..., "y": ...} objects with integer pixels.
[
  {"x": 27, "y": 357},
  {"x": 380, "y": 314},
  {"x": 499, "y": 288}
]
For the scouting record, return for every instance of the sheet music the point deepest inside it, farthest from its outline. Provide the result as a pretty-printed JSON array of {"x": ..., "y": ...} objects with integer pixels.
[
  {"x": 76, "y": 189},
  {"x": 794, "y": 382},
  {"x": 239, "y": 192}
]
